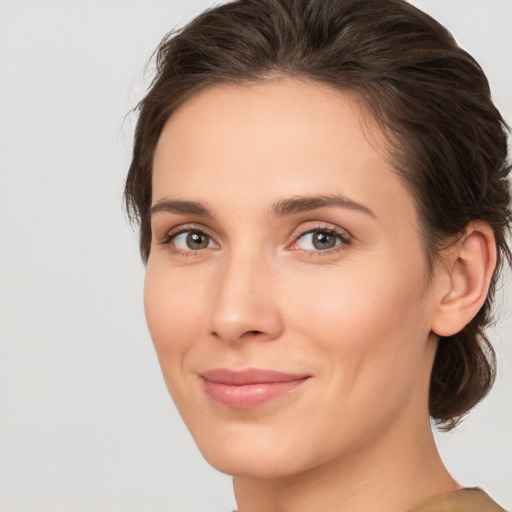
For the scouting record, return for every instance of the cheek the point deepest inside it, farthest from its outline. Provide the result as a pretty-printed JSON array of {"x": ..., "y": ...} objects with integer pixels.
[
  {"x": 174, "y": 307},
  {"x": 370, "y": 322},
  {"x": 350, "y": 295}
]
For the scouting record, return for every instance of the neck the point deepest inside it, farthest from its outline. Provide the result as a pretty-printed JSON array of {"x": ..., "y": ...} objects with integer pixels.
[{"x": 388, "y": 476}]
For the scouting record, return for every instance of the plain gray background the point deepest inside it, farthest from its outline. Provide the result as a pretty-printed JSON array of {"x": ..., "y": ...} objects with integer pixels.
[{"x": 85, "y": 420}]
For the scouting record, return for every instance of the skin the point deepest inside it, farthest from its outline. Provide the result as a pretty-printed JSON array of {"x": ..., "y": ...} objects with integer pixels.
[{"x": 360, "y": 318}]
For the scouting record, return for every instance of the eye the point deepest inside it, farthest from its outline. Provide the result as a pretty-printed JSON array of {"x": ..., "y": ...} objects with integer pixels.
[
  {"x": 190, "y": 240},
  {"x": 324, "y": 239}
]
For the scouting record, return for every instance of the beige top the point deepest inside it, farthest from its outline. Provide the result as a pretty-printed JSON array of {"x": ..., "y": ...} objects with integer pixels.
[{"x": 464, "y": 500}]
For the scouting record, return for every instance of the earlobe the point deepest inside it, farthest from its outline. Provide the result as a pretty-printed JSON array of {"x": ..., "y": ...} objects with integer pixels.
[{"x": 467, "y": 269}]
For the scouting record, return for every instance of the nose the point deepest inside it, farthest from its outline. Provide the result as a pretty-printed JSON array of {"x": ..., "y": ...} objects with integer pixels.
[{"x": 245, "y": 305}]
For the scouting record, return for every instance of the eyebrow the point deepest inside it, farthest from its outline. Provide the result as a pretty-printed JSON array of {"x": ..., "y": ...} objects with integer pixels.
[
  {"x": 306, "y": 203},
  {"x": 181, "y": 207},
  {"x": 281, "y": 208}
]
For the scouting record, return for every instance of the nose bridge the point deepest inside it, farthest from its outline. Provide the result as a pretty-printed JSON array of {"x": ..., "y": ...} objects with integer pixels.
[{"x": 244, "y": 303}]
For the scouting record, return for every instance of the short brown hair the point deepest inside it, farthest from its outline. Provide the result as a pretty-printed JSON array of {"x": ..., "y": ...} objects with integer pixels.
[{"x": 447, "y": 139}]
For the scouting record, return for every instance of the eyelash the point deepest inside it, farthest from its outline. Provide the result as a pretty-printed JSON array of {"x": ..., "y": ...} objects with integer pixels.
[
  {"x": 169, "y": 237},
  {"x": 343, "y": 237}
]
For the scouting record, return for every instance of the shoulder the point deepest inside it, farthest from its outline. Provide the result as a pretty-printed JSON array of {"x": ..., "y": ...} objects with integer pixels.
[{"x": 465, "y": 500}]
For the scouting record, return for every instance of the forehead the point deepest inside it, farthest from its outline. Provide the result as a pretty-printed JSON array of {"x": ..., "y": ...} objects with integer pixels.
[
  {"x": 275, "y": 139},
  {"x": 277, "y": 114},
  {"x": 276, "y": 102}
]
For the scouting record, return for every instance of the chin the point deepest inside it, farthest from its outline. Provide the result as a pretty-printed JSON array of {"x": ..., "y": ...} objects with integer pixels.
[
  {"x": 257, "y": 466},
  {"x": 247, "y": 454}
]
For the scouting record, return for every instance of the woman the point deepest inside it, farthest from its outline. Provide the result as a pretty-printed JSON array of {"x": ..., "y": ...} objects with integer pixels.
[{"x": 322, "y": 194}]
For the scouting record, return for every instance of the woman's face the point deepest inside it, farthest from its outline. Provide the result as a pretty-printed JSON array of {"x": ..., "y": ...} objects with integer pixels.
[{"x": 286, "y": 292}]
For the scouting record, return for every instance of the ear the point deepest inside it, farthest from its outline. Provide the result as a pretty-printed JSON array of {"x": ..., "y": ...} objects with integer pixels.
[{"x": 463, "y": 278}]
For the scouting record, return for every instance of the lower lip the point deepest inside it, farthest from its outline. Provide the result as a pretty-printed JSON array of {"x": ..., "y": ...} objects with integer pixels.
[{"x": 246, "y": 396}]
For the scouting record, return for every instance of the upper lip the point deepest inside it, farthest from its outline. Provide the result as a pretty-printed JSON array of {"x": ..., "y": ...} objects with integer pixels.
[{"x": 249, "y": 376}]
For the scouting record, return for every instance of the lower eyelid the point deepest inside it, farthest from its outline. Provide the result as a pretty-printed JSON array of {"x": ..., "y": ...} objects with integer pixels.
[{"x": 327, "y": 252}]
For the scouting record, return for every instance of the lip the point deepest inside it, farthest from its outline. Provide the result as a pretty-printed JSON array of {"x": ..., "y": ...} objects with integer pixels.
[{"x": 249, "y": 388}]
